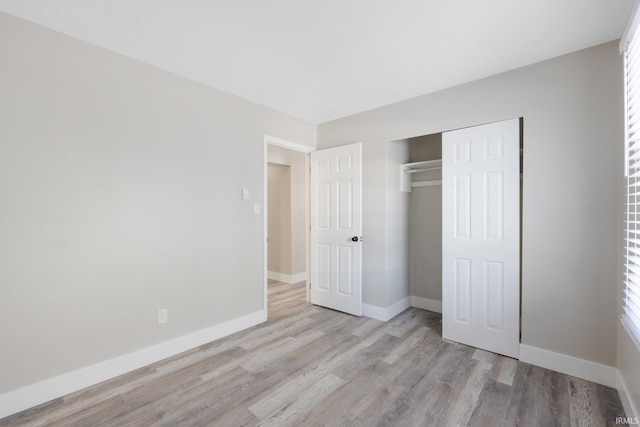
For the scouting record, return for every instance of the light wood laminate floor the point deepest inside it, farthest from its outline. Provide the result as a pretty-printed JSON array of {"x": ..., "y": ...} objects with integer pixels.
[{"x": 312, "y": 366}]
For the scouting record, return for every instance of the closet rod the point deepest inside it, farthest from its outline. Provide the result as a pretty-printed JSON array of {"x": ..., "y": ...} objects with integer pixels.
[
  {"x": 423, "y": 169},
  {"x": 432, "y": 183}
]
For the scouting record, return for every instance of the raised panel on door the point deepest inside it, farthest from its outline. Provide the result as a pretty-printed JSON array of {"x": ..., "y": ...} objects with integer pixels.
[
  {"x": 462, "y": 290},
  {"x": 323, "y": 166},
  {"x": 461, "y": 151},
  {"x": 323, "y": 263},
  {"x": 345, "y": 205},
  {"x": 323, "y": 217},
  {"x": 493, "y": 147},
  {"x": 481, "y": 236},
  {"x": 462, "y": 207},
  {"x": 345, "y": 270},
  {"x": 493, "y": 295},
  {"x": 493, "y": 205},
  {"x": 345, "y": 163}
]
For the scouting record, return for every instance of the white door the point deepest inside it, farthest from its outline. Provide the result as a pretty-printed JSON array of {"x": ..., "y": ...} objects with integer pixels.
[
  {"x": 481, "y": 236},
  {"x": 336, "y": 228}
]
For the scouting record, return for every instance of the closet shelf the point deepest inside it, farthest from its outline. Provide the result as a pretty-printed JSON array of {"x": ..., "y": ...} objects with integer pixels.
[{"x": 407, "y": 169}]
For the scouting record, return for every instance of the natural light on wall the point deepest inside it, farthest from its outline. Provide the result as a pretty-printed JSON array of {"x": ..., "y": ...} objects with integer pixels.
[{"x": 630, "y": 48}]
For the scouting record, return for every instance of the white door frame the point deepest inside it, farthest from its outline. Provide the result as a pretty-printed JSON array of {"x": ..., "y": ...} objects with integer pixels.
[{"x": 272, "y": 140}]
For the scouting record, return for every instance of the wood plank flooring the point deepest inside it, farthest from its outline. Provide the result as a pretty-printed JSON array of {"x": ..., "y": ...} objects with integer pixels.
[{"x": 313, "y": 366}]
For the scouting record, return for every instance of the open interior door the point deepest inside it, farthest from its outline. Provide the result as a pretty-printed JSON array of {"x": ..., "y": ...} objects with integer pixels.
[
  {"x": 336, "y": 228},
  {"x": 481, "y": 236}
]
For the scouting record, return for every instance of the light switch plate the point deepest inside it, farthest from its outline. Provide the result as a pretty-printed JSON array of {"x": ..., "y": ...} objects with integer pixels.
[
  {"x": 245, "y": 194},
  {"x": 162, "y": 315}
]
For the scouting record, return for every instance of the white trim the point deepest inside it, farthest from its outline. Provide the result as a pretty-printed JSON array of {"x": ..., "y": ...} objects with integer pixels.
[
  {"x": 629, "y": 408},
  {"x": 287, "y": 278},
  {"x": 385, "y": 314},
  {"x": 299, "y": 277},
  {"x": 398, "y": 307},
  {"x": 374, "y": 312},
  {"x": 53, "y": 388},
  {"x": 265, "y": 224},
  {"x": 632, "y": 24},
  {"x": 426, "y": 304},
  {"x": 628, "y": 327},
  {"x": 268, "y": 139},
  {"x": 585, "y": 369}
]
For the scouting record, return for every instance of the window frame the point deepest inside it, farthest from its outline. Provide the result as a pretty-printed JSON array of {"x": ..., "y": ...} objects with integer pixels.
[{"x": 630, "y": 49}]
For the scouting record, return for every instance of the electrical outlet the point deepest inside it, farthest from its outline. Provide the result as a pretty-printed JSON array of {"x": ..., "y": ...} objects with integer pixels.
[
  {"x": 162, "y": 315},
  {"x": 256, "y": 208}
]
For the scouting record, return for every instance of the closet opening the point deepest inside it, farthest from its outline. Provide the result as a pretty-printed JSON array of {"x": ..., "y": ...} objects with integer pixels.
[
  {"x": 465, "y": 231},
  {"x": 423, "y": 179}
]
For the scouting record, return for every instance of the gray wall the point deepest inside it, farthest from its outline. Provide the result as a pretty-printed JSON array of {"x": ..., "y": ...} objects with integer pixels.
[
  {"x": 121, "y": 193},
  {"x": 397, "y": 224},
  {"x": 425, "y": 223},
  {"x": 573, "y": 121},
  {"x": 279, "y": 218},
  {"x": 374, "y": 177},
  {"x": 385, "y": 226}
]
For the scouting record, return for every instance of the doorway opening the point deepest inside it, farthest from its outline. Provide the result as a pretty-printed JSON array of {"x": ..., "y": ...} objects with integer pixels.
[{"x": 286, "y": 222}]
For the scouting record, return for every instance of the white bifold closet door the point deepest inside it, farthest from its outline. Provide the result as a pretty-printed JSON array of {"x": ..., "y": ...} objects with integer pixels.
[{"x": 481, "y": 236}]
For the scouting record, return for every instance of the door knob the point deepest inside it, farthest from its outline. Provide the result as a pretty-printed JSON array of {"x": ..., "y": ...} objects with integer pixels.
[{"x": 354, "y": 239}]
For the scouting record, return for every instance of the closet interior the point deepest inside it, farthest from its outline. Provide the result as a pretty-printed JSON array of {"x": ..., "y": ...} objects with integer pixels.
[{"x": 422, "y": 177}]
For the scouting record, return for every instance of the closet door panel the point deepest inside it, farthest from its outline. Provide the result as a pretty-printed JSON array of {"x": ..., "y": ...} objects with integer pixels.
[{"x": 481, "y": 236}]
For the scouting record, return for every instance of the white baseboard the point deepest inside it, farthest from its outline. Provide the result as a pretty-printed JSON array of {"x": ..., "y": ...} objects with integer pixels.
[
  {"x": 426, "y": 304},
  {"x": 398, "y": 307},
  {"x": 385, "y": 314},
  {"x": 53, "y": 388},
  {"x": 629, "y": 408},
  {"x": 287, "y": 278},
  {"x": 580, "y": 368},
  {"x": 374, "y": 312}
]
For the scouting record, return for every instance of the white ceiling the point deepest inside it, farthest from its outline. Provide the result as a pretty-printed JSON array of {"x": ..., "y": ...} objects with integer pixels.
[{"x": 324, "y": 59}]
